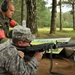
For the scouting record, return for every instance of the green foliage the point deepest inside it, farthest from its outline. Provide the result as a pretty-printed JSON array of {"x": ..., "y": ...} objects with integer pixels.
[
  {"x": 67, "y": 24},
  {"x": 44, "y": 33},
  {"x": 43, "y": 14},
  {"x": 67, "y": 20},
  {"x": 17, "y": 15},
  {"x": 1, "y": 2}
]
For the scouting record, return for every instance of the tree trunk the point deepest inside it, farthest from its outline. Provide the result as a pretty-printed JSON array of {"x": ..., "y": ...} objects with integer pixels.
[
  {"x": 23, "y": 11},
  {"x": 53, "y": 17},
  {"x": 73, "y": 16},
  {"x": 31, "y": 15},
  {"x": 60, "y": 16}
]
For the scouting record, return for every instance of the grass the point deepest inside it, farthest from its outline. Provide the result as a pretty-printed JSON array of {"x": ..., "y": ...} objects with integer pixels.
[{"x": 45, "y": 33}]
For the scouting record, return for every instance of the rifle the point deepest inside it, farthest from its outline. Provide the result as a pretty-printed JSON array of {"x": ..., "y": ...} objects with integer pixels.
[
  {"x": 63, "y": 44},
  {"x": 29, "y": 51},
  {"x": 32, "y": 49},
  {"x": 44, "y": 47},
  {"x": 36, "y": 48}
]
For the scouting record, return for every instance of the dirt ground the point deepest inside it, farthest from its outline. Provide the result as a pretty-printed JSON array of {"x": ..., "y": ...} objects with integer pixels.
[{"x": 63, "y": 65}]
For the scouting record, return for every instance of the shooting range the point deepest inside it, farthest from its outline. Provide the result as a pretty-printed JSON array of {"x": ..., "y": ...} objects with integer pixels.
[
  {"x": 54, "y": 61},
  {"x": 54, "y": 29}
]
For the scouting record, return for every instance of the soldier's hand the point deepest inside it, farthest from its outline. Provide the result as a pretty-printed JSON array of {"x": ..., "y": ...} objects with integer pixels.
[
  {"x": 21, "y": 54},
  {"x": 38, "y": 55}
]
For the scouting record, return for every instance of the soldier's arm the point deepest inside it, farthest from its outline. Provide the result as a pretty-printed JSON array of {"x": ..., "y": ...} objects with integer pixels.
[{"x": 16, "y": 65}]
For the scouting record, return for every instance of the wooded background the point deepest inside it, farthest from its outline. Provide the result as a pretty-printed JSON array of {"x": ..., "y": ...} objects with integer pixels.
[{"x": 38, "y": 15}]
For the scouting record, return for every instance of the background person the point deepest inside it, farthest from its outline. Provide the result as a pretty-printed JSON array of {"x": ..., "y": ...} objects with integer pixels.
[{"x": 6, "y": 12}]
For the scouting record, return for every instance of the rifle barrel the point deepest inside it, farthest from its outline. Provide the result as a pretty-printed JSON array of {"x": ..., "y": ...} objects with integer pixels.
[{"x": 62, "y": 45}]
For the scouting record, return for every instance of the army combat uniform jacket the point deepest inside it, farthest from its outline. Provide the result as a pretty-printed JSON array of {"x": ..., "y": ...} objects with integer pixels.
[
  {"x": 4, "y": 24},
  {"x": 12, "y": 64}
]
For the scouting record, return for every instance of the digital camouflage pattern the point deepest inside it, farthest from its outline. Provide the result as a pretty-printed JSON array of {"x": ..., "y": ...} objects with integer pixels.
[
  {"x": 12, "y": 64},
  {"x": 22, "y": 33}
]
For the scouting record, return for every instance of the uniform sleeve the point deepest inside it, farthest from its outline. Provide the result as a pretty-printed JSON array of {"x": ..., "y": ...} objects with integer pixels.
[
  {"x": 1, "y": 22},
  {"x": 0, "y": 26},
  {"x": 16, "y": 65}
]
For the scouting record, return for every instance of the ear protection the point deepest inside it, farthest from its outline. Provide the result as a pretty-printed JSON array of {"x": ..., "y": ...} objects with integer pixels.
[{"x": 4, "y": 6}]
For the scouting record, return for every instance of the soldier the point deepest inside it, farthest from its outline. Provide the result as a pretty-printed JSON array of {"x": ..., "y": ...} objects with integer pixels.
[
  {"x": 11, "y": 63},
  {"x": 6, "y": 12},
  {"x": 22, "y": 37}
]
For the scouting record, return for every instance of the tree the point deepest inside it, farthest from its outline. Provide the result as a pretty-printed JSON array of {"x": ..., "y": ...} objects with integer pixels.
[
  {"x": 43, "y": 14},
  {"x": 53, "y": 17},
  {"x": 22, "y": 10},
  {"x": 73, "y": 6},
  {"x": 73, "y": 11},
  {"x": 60, "y": 16},
  {"x": 31, "y": 15},
  {"x": 17, "y": 14}
]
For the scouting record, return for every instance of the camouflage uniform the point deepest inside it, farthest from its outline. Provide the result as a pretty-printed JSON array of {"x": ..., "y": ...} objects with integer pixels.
[
  {"x": 12, "y": 64},
  {"x": 4, "y": 22},
  {"x": 22, "y": 33}
]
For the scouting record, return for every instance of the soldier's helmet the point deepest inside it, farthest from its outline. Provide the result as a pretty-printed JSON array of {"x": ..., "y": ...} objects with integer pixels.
[{"x": 22, "y": 33}]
